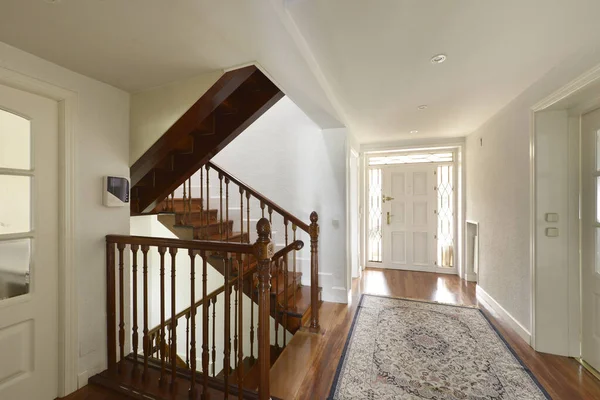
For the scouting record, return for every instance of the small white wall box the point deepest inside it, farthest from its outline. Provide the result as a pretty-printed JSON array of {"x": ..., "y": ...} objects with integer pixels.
[{"x": 115, "y": 191}]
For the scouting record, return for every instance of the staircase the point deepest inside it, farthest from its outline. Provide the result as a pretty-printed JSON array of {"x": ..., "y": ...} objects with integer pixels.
[{"x": 210, "y": 343}]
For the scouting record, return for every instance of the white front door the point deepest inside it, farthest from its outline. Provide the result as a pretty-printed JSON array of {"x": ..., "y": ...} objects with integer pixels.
[
  {"x": 28, "y": 246},
  {"x": 590, "y": 225},
  {"x": 409, "y": 217}
]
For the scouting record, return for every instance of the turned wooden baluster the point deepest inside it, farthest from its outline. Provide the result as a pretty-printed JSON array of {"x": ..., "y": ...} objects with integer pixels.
[
  {"x": 262, "y": 208},
  {"x": 236, "y": 288},
  {"x": 214, "y": 336},
  {"x": 314, "y": 271},
  {"x": 121, "y": 247},
  {"x": 285, "y": 285},
  {"x": 207, "y": 201},
  {"x": 240, "y": 330},
  {"x": 202, "y": 211},
  {"x": 227, "y": 328},
  {"x": 242, "y": 214},
  {"x": 161, "y": 251},
  {"x": 111, "y": 309},
  {"x": 205, "y": 321},
  {"x": 275, "y": 275},
  {"x": 146, "y": 340},
  {"x": 172, "y": 201},
  {"x": 271, "y": 219},
  {"x": 184, "y": 219},
  {"x": 295, "y": 287},
  {"x": 263, "y": 251},
  {"x": 189, "y": 181},
  {"x": 167, "y": 345},
  {"x": 134, "y": 335},
  {"x": 247, "y": 217},
  {"x": 227, "y": 209},
  {"x": 220, "y": 206},
  {"x": 192, "y": 319},
  {"x": 173, "y": 349},
  {"x": 253, "y": 289},
  {"x": 187, "y": 339}
]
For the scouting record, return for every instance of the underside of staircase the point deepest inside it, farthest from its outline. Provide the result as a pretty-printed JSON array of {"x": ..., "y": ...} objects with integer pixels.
[{"x": 234, "y": 102}]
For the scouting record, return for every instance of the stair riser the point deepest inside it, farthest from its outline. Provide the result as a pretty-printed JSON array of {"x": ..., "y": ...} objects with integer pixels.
[
  {"x": 196, "y": 216},
  {"x": 205, "y": 231}
]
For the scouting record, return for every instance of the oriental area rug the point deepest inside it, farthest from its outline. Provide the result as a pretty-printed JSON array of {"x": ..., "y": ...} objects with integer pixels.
[{"x": 406, "y": 349}]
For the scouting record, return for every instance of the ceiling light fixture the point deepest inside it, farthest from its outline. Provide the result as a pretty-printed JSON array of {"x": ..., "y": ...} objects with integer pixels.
[
  {"x": 422, "y": 107},
  {"x": 414, "y": 131},
  {"x": 438, "y": 59}
]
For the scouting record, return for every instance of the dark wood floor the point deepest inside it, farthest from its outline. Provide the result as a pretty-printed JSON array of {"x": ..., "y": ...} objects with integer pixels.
[{"x": 306, "y": 368}]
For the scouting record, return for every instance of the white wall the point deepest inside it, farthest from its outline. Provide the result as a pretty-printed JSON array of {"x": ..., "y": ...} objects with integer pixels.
[
  {"x": 289, "y": 159},
  {"x": 154, "y": 111},
  {"x": 498, "y": 189},
  {"x": 102, "y": 146}
]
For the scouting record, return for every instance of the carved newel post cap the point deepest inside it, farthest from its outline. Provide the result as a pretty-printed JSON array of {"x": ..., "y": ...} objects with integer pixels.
[
  {"x": 263, "y": 228},
  {"x": 314, "y": 217}
]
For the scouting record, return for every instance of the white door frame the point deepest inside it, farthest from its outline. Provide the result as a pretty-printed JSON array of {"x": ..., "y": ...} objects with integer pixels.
[
  {"x": 567, "y": 95},
  {"x": 455, "y": 144},
  {"x": 68, "y": 334}
]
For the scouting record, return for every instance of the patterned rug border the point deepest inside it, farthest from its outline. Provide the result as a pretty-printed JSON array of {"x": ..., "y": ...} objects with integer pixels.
[{"x": 359, "y": 307}]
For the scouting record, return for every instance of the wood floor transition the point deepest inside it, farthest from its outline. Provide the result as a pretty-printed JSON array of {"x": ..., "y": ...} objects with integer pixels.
[{"x": 306, "y": 368}]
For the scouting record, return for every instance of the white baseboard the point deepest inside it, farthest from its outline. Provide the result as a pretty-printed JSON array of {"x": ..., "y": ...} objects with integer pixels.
[
  {"x": 82, "y": 379},
  {"x": 489, "y": 301},
  {"x": 471, "y": 277}
]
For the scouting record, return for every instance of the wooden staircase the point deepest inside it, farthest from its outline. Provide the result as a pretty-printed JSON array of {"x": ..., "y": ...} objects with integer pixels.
[
  {"x": 236, "y": 100},
  {"x": 210, "y": 211}
]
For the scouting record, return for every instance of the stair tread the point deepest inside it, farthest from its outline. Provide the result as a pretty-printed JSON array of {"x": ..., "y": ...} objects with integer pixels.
[
  {"x": 302, "y": 302},
  {"x": 203, "y": 224}
]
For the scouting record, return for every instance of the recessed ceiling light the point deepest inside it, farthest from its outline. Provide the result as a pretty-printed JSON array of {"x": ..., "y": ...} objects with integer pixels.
[
  {"x": 438, "y": 59},
  {"x": 414, "y": 131},
  {"x": 422, "y": 107},
  {"x": 52, "y": 1}
]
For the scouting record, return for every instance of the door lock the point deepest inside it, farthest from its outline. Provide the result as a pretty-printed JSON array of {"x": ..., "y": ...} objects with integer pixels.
[
  {"x": 387, "y": 198},
  {"x": 389, "y": 218}
]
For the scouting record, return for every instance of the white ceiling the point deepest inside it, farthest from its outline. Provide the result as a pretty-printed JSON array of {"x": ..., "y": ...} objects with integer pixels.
[
  {"x": 375, "y": 56},
  {"x": 364, "y": 63},
  {"x": 138, "y": 44}
]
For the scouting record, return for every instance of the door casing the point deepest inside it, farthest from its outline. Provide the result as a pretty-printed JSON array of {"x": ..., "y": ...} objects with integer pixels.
[{"x": 68, "y": 356}]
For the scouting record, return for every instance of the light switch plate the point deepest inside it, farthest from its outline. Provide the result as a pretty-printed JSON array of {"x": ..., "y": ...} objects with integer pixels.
[
  {"x": 552, "y": 232},
  {"x": 551, "y": 217}
]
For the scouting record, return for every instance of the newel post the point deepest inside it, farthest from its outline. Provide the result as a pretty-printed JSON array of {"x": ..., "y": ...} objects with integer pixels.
[
  {"x": 263, "y": 251},
  {"x": 314, "y": 272}
]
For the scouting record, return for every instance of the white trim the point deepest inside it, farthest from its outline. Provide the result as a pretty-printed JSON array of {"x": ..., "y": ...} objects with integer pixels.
[
  {"x": 488, "y": 301},
  {"x": 68, "y": 333},
  {"x": 562, "y": 93},
  {"x": 458, "y": 146}
]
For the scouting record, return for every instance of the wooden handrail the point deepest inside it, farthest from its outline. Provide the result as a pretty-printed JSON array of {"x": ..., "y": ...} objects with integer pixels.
[
  {"x": 287, "y": 215},
  {"x": 206, "y": 245},
  {"x": 200, "y": 302},
  {"x": 297, "y": 245}
]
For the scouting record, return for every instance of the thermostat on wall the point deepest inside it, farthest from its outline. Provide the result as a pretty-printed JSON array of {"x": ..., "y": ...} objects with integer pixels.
[{"x": 115, "y": 191}]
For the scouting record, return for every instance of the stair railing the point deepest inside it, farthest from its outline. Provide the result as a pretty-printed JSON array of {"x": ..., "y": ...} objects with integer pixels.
[
  {"x": 159, "y": 360},
  {"x": 205, "y": 200}
]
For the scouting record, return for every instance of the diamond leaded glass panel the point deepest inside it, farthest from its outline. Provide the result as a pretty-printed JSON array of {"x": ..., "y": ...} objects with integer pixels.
[
  {"x": 445, "y": 234},
  {"x": 375, "y": 234}
]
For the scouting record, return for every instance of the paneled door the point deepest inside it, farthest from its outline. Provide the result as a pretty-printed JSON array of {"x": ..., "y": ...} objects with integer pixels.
[
  {"x": 409, "y": 217},
  {"x": 590, "y": 234},
  {"x": 28, "y": 246}
]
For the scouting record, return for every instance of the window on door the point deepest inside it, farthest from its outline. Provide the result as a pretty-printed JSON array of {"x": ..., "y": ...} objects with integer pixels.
[
  {"x": 16, "y": 230},
  {"x": 446, "y": 203}
]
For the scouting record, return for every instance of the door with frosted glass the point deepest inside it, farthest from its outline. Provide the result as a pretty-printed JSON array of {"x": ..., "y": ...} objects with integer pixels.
[
  {"x": 590, "y": 225},
  {"x": 409, "y": 217},
  {"x": 28, "y": 246}
]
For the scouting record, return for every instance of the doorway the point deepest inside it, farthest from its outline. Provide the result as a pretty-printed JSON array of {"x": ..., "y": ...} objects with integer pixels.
[
  {"x": 412, "y": 210},
  {"x": 29, "y": 248},
  {"x": 590, "y": 235}
]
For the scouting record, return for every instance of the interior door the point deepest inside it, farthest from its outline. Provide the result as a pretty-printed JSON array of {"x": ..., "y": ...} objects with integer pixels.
[
  {"x": 409, "y": 217},
  {"x": 590, "y": 225},
  {"x": 28, "y": 246}
]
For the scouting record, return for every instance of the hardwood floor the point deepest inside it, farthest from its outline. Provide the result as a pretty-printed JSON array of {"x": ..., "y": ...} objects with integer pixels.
[{"x": 306, "y": 368}]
